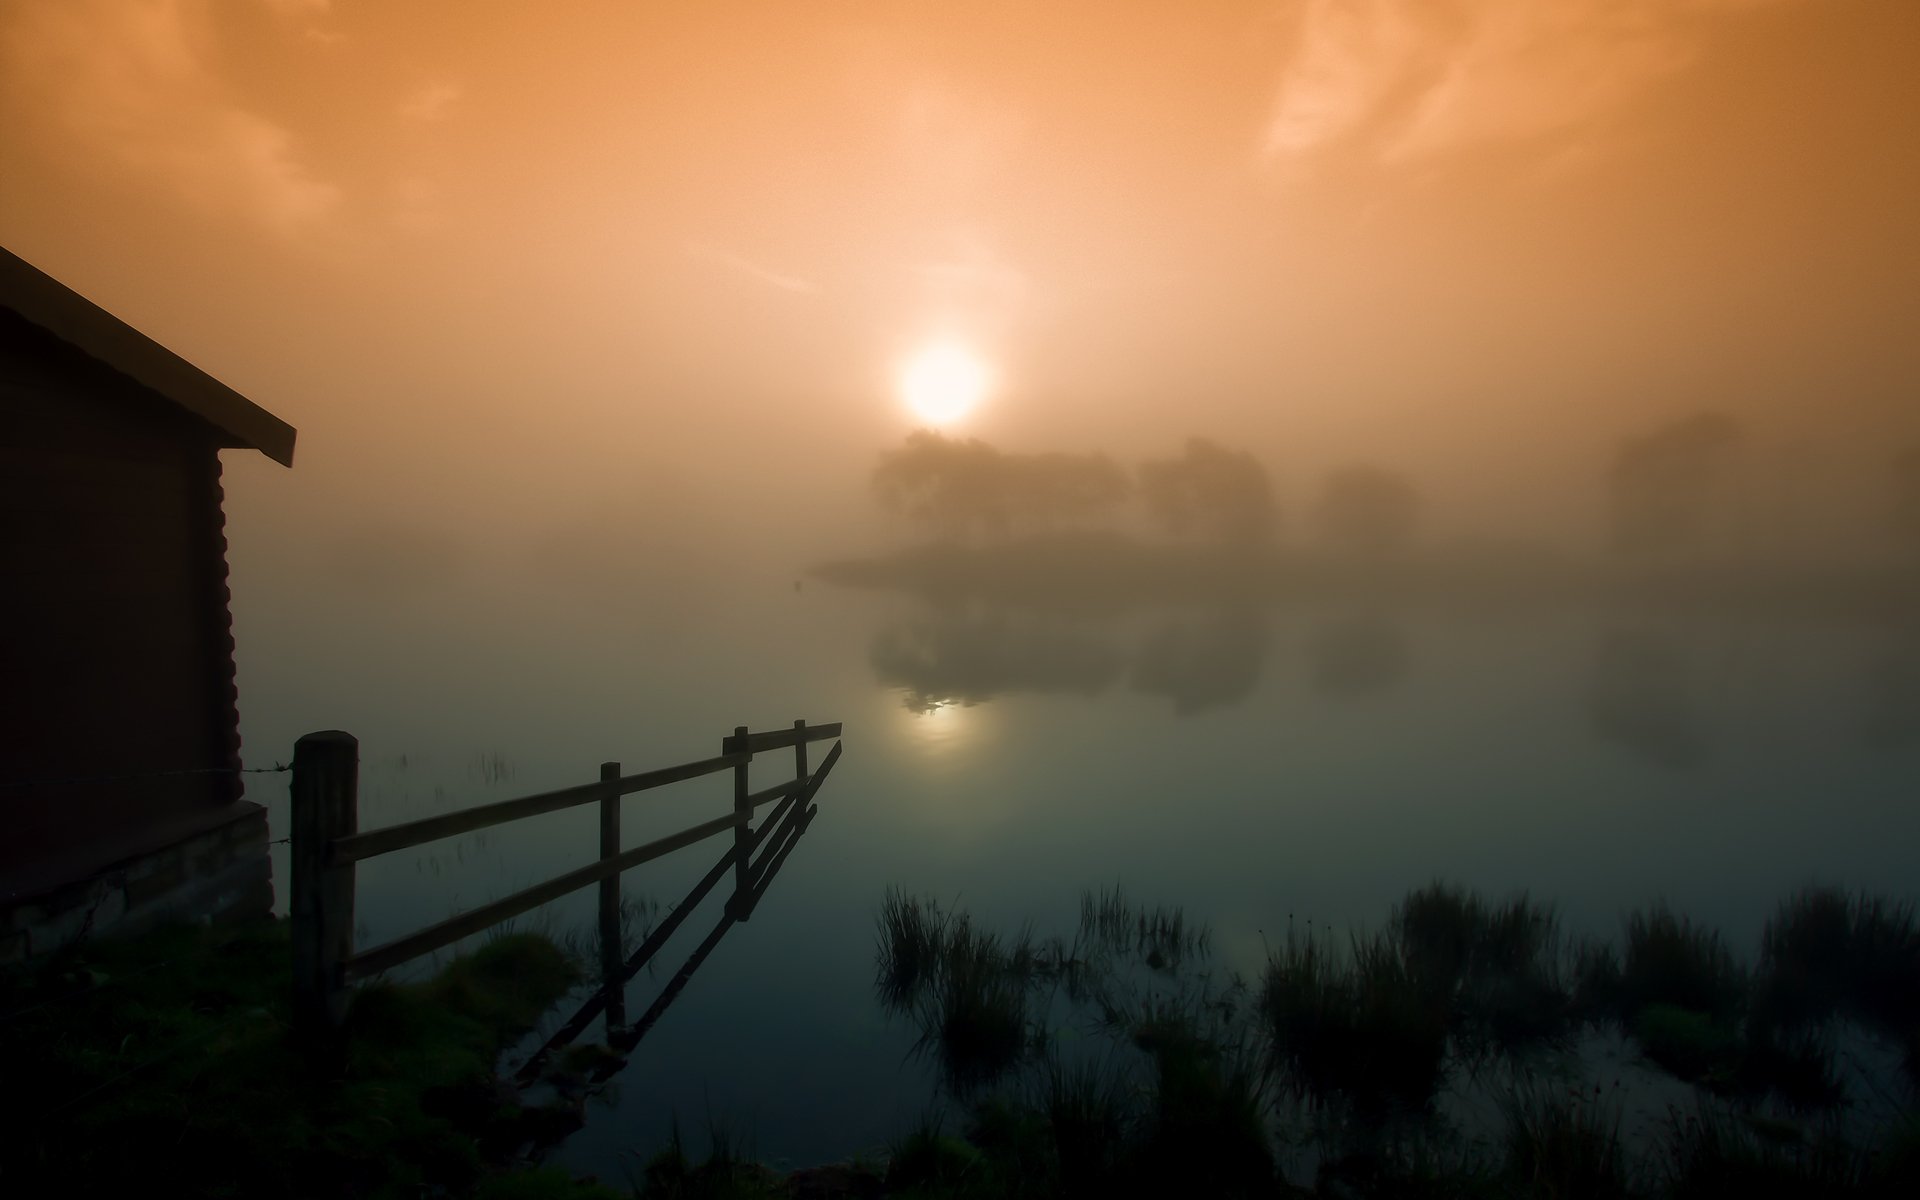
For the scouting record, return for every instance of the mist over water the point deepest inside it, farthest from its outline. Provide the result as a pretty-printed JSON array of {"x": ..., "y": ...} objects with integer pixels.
[
  {"x": 1471, "y": 441},
  {"x": 1290, "y": 724}
]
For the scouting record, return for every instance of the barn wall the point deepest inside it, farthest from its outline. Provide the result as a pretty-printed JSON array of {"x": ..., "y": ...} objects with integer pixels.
[{"x": 118, "y": 653}]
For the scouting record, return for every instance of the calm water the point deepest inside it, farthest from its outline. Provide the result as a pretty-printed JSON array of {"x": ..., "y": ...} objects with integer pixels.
[{"x": 1248, "y": 764}]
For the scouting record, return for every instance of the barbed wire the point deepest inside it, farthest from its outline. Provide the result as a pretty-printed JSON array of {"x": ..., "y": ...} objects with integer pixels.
[{"x": 76, "y": 781}]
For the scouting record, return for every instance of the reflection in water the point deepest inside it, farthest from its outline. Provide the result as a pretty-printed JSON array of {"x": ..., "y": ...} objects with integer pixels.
[
  {"x": 1893, "y": 699},
  {"x": 1358, "y": 656},
  {"x": 946, "y": 730},
  {"x": 1203, "y": 664},
  {"x": 954, "y": 657},
  {"x": 1643, "y": 697},
  {"x": 751, "y": 865}
]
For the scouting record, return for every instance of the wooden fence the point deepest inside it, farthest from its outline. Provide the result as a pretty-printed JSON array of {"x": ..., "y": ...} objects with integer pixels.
[{"x": 327, "y": 842}]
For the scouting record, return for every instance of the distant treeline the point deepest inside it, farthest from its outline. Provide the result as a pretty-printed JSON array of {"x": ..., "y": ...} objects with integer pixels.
[
  {"x": 1671, "y": 493},
  {"x": 971, "y": 491}
]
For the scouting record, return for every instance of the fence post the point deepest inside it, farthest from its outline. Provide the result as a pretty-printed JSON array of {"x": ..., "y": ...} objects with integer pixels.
[
  {"x": 611, "y": 947},
  {"x": 325, "y": 804},
  {"x": 742, "y": 831},
  {"x": 800, "y": 752}
]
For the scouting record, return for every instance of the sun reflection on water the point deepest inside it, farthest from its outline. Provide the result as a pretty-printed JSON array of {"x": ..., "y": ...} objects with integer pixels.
[{"x": 942, "y": 727}]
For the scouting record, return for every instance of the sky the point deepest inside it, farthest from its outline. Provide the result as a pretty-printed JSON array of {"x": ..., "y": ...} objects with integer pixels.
[{"x": 561, "y": 273}]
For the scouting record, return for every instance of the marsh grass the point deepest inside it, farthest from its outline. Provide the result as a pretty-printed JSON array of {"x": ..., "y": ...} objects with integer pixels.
[
  {"x": 968, "y": 988},
  {"x": 1670, "y": 960},
  {"x": 1367, "y": 1024},
  {"x": 1207, "y": 1128},
  {"x": 1689, "y": 1045},
  {"x": 1826, "y": 953},
  {"x": 1345, "y": 1047},
  {"x": 1159, "y": 938},
  {"x": 1495, "y": 971},
  {"x": 728, "y": 1172},
  {"x": 981, "y": 1006},
  {"x": 913, "y": 937},
  {"x": 1713, "y": 1153},
  {"x": 1597, "y": 986},
  {"x": 1090, "y": 1116},
  {"x": 1565, "y": 1142},
  {"x": 930, "y": 1162}
]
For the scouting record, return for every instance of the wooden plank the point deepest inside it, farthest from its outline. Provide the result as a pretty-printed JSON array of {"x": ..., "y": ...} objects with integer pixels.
[
  {"x": 742, "y": 820},
  {"x": 624, "y": 1043},
  {"x": 645, "y": 780},
  {"x": 433, "y": 937},
  {"x": 800, "y": 749},
  {"x": 776, "y": 739},
  {"x": 776, "y": 855},
  {"x": 819, "y": 777},
  {"x": 779, "y": 791},
  {"x": 609, "y": 997},
  {"x": 610, "y": 953},
  {"x": 786, "y": 824},
  {"x": 801, "y": 816},
  {"x": 767, "y": 826},
  {"x": 428, "y": 829}
]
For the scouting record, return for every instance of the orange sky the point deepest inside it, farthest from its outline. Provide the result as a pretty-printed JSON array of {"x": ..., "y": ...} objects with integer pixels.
[{"x": 527, "y": 263}]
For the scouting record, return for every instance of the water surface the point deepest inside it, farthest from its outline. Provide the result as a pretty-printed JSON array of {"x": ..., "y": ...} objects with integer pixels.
[{"x": 1252, "y": 762}]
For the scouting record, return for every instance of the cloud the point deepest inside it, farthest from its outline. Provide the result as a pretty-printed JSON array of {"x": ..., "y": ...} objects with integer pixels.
[
  {"x": 128, "y": 84},
  {"x": 750, "y": 269},
  {"x": 970, "y": 281},
  {"x": 432, "y": 102},
  {"x": 1408, "y": 81}
]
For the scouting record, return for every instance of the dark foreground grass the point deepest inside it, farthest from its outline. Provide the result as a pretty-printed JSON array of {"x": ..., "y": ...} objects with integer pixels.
[{"x": 168, "y": 1057}]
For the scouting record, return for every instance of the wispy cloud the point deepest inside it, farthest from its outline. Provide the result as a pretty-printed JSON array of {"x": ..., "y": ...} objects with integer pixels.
[
  {"x": 750, "y": 269},
  {"x": 970, "y": 280},
  {"x": 432, "y": 102},
  {"x": 1407, "y": 81},
  {"x": 127, "y": 83}
]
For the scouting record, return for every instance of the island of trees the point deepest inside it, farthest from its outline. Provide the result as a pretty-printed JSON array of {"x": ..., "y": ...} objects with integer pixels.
[{"x": 1204, "y": 522}]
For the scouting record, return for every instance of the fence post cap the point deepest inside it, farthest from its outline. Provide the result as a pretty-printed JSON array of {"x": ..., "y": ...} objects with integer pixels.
[{"x": 328, "y": 737}]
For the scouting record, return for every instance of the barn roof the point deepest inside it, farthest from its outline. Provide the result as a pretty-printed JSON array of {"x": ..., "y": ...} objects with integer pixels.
[{"x": 78, "y": 321}]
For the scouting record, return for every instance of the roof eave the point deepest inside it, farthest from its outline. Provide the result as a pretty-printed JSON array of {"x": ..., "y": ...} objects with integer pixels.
[{"x": 79, "y": 322}]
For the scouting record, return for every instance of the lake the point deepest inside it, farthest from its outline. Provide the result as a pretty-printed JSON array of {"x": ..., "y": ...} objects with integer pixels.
[{"x": 1250, "y": 762}]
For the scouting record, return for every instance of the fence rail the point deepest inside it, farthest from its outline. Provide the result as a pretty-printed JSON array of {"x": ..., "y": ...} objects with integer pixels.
[{"x": 327, "y": 843}]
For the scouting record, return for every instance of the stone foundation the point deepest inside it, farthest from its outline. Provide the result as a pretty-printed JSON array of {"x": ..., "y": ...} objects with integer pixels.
[{"x": 217, "y": 874}]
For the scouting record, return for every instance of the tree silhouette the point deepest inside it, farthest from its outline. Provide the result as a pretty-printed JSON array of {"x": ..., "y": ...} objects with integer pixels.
[
  {"x": 954, "y": 657},
  {"x": 1213, "y": 662},
  {"x": 1050, "y": 490},
  {"x": 1368, "y": 510},
  {"x": 1211, "y": 494},
  {"x": 963, "y": 489},
  {"x": 953, "y": 487},
  {"x": 1663, "y": 485}
]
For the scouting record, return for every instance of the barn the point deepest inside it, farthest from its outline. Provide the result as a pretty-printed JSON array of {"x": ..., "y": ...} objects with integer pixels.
[{"x": 121, "y": 796}]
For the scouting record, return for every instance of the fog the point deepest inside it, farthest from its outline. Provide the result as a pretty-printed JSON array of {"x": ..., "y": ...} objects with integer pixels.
[
  {"x": 510, "y": 273},
  {"x": 1509, "y": 411}
]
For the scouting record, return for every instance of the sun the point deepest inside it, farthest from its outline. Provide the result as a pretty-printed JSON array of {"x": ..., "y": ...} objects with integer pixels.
[{"x": 943, "y": 382}]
